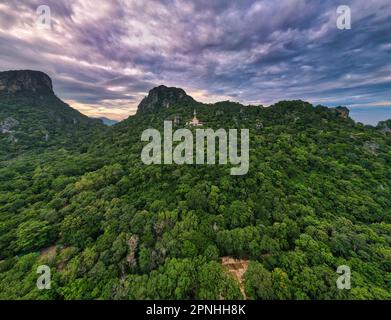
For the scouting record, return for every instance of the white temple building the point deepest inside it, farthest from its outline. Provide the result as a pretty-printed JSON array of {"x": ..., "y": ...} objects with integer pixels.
[{"x": 195, "y": 122}]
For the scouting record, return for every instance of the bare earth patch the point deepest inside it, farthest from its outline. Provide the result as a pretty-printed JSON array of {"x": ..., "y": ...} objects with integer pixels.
[
  {"x": 237, "y": 268},
  {"x": 48, "y": 253}
]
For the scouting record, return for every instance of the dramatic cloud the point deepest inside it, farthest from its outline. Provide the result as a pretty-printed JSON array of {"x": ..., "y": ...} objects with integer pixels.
[{"x": 105, "y": 55}]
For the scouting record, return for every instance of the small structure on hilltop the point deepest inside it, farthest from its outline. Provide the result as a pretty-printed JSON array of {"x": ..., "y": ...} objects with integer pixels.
[{"x": 195, "y": 122}]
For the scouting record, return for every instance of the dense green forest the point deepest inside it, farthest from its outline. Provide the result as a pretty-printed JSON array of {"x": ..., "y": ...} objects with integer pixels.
[{"x": 317, "y": 196}]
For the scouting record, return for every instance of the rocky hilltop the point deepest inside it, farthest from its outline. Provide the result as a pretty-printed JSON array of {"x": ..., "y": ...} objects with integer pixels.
[
  {"x": 23, "y": 81},
  {"x": 32, "y": 116},
  {"x": 164, "y": 97},
  {"x": 343, "y": 112}
]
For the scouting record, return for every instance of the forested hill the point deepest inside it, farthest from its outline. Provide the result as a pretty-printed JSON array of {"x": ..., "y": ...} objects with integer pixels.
[
  {"x": 317, "y": 196},
  {"x": 32, "y": 118}
]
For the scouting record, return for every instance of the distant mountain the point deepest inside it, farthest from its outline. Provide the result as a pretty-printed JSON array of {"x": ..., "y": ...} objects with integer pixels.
[
  {"x": 108, "y": 122},
  {"x": 32, "y": 116}
]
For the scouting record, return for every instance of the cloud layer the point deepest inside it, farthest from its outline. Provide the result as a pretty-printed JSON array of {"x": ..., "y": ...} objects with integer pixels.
[{"x": 104, "y": 56}]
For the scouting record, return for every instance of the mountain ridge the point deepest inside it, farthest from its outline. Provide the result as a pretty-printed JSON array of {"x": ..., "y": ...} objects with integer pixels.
[{"x": 37, "y": 83}]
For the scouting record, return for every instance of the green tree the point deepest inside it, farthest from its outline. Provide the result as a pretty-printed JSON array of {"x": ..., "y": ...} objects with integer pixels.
[{"x": 32, "y": 235}]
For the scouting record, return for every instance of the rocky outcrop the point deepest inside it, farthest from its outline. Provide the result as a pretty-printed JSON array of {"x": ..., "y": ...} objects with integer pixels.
[
  {"x": 8, "y": 124},
  {"x": 385, "y": 127},
  {"x": 371, "y": 147},
  {"x": 258, "y": 124},
  {"x": 23, "y": 81},
  {"x": 386, "y": 130},
  {"x": 343, "y": 112},
  {"x": 132, "y": 248},
  {"x": 33, "y": 117},
  {"x": 164, "y": 97}
]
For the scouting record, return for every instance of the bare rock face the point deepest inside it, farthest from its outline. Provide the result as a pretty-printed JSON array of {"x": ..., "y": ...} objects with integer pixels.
[
  {"x": 132, "y": 245},
  {"x": 385, "y": 127},
  {"x": 164, "y": 97},
  {"x": 372, "y": 147},
  {"x": 22, "y": 81},
  {"x": 386, "y": 130},
  {"x": 343, "y": 112},
  {"x": 8, "y": 124}
]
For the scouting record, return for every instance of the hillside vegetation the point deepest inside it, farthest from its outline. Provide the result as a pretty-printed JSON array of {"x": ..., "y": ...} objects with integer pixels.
[{"x": 317, "y": 196}]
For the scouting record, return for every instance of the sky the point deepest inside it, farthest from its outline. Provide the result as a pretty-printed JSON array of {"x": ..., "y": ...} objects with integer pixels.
[{"x": 104, "y": 56}]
